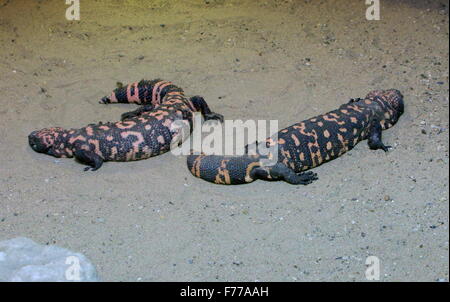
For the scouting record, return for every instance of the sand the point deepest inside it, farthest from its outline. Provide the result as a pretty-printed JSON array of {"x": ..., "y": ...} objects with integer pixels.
[{"x": 151, "y": 220}]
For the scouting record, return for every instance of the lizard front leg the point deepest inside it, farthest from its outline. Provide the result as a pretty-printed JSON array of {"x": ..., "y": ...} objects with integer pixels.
[
  {"x": 90, "y": 158},
  {"x": 374, "y": 139}
]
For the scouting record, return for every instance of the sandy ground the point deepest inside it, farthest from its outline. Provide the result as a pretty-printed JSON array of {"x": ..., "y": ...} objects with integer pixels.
[{"x": 288, "y": 60}]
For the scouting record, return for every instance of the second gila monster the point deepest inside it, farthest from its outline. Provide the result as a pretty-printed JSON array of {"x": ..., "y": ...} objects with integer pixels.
[
  {"x": 308, "y": 144},
  {"x": 140, "y": 134}
]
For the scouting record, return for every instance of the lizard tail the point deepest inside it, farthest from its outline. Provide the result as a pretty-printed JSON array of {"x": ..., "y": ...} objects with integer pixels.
[{"x": 227, "y": 170}]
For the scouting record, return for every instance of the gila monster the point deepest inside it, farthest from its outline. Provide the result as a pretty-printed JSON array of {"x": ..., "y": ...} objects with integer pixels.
[
  {"x": 140, "y": 134},
  {"x": 308, "y": 144}
]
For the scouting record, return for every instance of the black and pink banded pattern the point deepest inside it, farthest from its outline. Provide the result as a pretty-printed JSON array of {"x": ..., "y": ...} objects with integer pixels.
[
  {"x": 144, "y": 133},
  {"x": 309, "y": 143}
]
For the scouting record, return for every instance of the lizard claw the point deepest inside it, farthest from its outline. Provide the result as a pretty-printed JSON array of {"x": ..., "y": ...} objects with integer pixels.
[
  {"x": 386, "y": 148},
  {"x": 105, "y": 100},
  {"x": 308, "y": 177},
  {"x": 213, "y": 116}
]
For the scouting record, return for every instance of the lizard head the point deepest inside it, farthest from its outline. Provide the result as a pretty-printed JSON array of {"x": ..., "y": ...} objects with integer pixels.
[
  {"x": 395, "y": 99},
  {"x": 391, "y": 96},
  {"x": 46, "y": 140}
]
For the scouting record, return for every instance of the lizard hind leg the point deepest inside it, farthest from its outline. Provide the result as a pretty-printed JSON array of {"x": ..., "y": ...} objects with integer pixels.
[
  {"x": 201, "y": 105},
  {"x": 213, "y": 116},
  {"x": 90, "y": 158},
  {"x": 137, "y": 112},
  {"x": 281, "y": 172}
]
